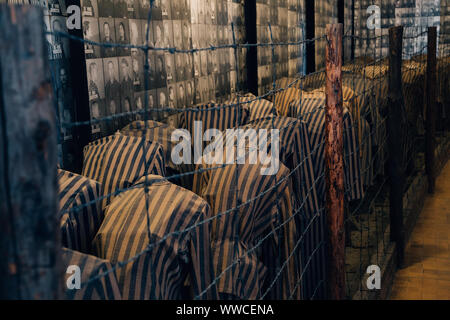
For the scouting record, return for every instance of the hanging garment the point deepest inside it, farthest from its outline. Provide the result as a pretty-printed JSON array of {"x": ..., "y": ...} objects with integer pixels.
[
  {"x": 97, "y": 278},
  {"x": 162, "y": 133},
  {"x": 312, "y": 111},
  {"x": 79, "y": 209},
  {"x": 118, "y": 161},
  {"x": 214, "y": 116},
  {"x": 254, "y": 231},
  {"x": 257, "y": 108},
  {"x": 162, "y": 236}
]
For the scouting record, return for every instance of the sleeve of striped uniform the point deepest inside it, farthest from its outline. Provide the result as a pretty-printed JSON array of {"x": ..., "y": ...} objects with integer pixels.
[
  {"x": 161, "y": 238},
  {"x": 119, "y": 161},
  {"x": 98, "y": 280},
  {"x": 80, "y": 211}
]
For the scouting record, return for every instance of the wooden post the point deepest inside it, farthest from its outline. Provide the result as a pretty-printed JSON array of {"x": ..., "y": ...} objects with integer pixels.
[
  {"x": 395, "y": 133},
  {"x": 29, "y": 231},
  {"x": 334, "y": 163},
  {"x": 431, "y": 109}
]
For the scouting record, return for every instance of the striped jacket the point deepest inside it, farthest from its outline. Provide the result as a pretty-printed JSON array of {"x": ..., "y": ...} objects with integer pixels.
[
  {"x": 257, "y": 109},
  {"x": 246, "y": 268},
  {"x": 175, "y": 246},
  {"x": 162, "y": 134},
  {"x": 98, "y": 281},
  {"x": 295, "y": 154},
  {"x": 312, "y": 111},
  {"x": 284, "y": 98},
  {"x": 80, "y": 212},
  {"x": 214, "y": 116},
  {"x": 118, "y": 161}
]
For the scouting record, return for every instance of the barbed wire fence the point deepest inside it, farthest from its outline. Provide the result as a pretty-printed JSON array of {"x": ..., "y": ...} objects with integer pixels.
[{"x": 294, "y": 245}]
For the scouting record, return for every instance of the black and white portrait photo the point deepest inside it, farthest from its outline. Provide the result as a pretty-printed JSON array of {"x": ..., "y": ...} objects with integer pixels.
[
  {"x": 168, "y": 32},
  {"x": 189, "y": 90},
  {"x": 89, "y": 8},
  {"x": 107, "y": 36},
  {"x": 158, "y": 33},
  {"x": 180, "y": 65},
  {"x": 56, "y": 7},
  {"x": 122, "y": 36},
  {"x": 162, "y": 98},
  {"x": 166, "y": 9},
  {"x": 177, "y": 35},
  {"x": 90, "y": 32},
  {"x": 59, "y": 43},
  {"x": 106, "y": 8},
  {"x": 136, "y": 38},
  {"x": 181, "y": 94},
  {"x": 96, "y": 114},
  {"x": 172, "y": 96},
  {"x": 170, "y": 68},
  {"x": 112, "y": 85},
  {"x": 187, "y": 35},
  {"x": 113, "y": 108},
  {"x": 137, "y": 71},
  {"x": 96, "y": 85},
  {"x": 126, "y": 83},
  {"x": 160, "y": 71}
]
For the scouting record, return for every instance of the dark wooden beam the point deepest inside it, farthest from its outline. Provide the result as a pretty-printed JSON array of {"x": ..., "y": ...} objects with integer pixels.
[
  {"x": 395, "y": 136},
  {"x": 431, "y": 109},
  {"x": 310, "y": 34},
  {"x": 252, "y": 52},
  {"x": 334, "y": 162},
  {"x": 29, "y": 228}
]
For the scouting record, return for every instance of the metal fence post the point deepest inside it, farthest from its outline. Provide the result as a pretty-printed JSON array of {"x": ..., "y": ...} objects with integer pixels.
[
  {"x": 431, "y": 109},
  {"x": 334, "y": 162},
  {"x": 395, "y": 132},
  {"x": 29, "y": 232}
]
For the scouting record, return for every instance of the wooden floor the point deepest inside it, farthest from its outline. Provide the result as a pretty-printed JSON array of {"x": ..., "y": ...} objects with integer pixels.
[{"x": 427, "y": 258}]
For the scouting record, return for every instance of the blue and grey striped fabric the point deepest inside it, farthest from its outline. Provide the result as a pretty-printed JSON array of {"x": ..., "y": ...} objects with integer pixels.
[
  {"x": 80, "y": 212},
  {"x": 118, "y": 161},
  {"x": 295, "y": 153},
  {"x": 165, "y": 236},
  {"x": 244, "y": 268},
  {"x": 283, "y": 99},
  {"x": 257, "y": 108},
  {"x": 312, "y": 111},
  {"x": 162, "y": 133},
  {"x": 104, "y": 287},
  {"x": 214, "y": 116}
]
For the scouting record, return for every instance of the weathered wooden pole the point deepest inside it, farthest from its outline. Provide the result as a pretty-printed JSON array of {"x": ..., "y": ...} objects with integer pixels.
[
  {"x": 29, "y": 233},
  {"x": 431, "y": 108},
  {"x": 395, "y": 136},
  {"x": 334, "y": 163}
]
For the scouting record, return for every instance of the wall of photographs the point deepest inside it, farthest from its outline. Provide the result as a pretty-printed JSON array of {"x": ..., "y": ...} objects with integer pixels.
[
  {"x": 286, "y": 60},
  {"x": 116, "y": 79},
  {"x": 326, "y": 12},
  {"x": 348, "y": 29},
  {"x": 55, "y": 16},
  {"x": 414, "y": 15}
]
